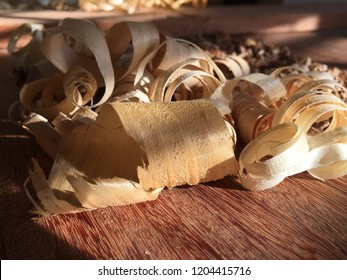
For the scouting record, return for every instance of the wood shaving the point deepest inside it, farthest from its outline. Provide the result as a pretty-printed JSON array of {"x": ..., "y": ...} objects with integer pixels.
[{"x": 128, "y": 111}]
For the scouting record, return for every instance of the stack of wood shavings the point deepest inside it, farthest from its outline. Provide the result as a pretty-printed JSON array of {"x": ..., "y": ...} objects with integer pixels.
[{"x": 128, "y": 111}]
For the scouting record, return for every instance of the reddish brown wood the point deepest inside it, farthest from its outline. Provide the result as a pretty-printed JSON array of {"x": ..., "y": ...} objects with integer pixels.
[
  {"x": 302, "y": 218},
  {"x": 327, "y": 46},
  {"x": 264, "y": 19}
]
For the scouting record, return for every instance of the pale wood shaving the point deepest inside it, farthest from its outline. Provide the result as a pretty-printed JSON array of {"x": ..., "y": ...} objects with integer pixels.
[{"x": 129, "y": 111}]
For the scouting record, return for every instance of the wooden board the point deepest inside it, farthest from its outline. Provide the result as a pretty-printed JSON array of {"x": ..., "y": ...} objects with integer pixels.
[
  {"x": 265, "y": 19},
  {"x": 302, "y": 218}
]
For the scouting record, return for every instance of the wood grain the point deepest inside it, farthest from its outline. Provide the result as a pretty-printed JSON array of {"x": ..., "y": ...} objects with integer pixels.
[{"x": 302, "y": 218}]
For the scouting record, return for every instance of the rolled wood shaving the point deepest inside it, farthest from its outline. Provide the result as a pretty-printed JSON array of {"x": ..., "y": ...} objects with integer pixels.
[
  {"x": 171, "y": 51},
  {"x": 164, "y": 87},
  {"x": 254, "y": 99},
  {"x": 280, "y": 143},
  {"x": 264, "y": 87},
  {"x": 46, "y": 97},
  {"x": 146, "y": 146},
  {"x": 61, "y": 93},
  {"x": 30, "y": 53},
  {"x": 294, "y": 78},
  {"x": 236, "y": 66},
  {"x": 129, "y": 43},
  {"x": 323, "y": 155},
  {"x": 252, "y": 117},
  {"x": 306, "y": 108},
  {"x": 58, "y": 51}
]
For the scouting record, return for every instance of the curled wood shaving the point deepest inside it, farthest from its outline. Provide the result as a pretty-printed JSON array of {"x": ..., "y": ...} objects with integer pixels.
[
  {"x": 129, "y": 43},
  {"x": 252, "y": 116},
  {"x": 269, "y": 158},
  {"x": 30, "y": 53},
  {"x": 131, "y": 111},
  {"x": 234, "y": 66},
  {"x": 254, "y": 98},
  {"x": 46, "y": 97},
  {"x": 58, "y": 51},
  {"x": 167, "y": 84}
]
